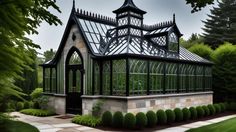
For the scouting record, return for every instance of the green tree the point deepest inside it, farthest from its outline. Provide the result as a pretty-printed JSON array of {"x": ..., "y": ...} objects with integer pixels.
[
  {"x": 18, "y": 19},
  {"x": 202, "y": 50},
  {"x": 220, "y": 27},
  {"x": 224, "y": 72},
  {"x": 48, "y": 55}
]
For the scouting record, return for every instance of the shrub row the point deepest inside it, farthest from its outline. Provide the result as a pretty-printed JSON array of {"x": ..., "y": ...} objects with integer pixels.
[
  {"x": 150, "y": 119},
  {"x": 18, "y": 106}
]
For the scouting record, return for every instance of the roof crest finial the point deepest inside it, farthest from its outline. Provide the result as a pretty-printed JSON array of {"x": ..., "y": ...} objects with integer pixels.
[{"x": 174, "y": 18}]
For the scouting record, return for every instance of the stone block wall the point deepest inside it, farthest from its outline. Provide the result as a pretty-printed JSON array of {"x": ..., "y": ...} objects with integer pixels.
[
  {"x": 57, "y": 103},
  {"x": 144, "y": 103}
]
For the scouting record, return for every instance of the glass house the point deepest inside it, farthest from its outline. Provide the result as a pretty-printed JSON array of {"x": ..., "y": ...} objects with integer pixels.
[{"x": 128, "y": 64}]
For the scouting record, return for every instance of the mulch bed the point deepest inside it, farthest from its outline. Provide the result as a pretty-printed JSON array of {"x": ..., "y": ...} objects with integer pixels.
[
  {"x": 65, "y": 117},
  {"x": 169, "y": 125}
]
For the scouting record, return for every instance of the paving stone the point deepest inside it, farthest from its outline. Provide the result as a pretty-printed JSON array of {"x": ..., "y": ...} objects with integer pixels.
[
  {"x": 84, "y": 128},
  {"x": 51, "y": 130},
  {"x": 66, "y": 125},
  {"x": 45, "y": 126}
]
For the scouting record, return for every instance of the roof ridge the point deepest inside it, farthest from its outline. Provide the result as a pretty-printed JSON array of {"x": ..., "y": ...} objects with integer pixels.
[
  {"x": 92, "y": 15},
  {"x": 158, "y": 25}
]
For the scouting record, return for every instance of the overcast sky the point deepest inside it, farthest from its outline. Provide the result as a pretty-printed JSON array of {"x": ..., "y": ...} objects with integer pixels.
[{"x": 157, "y": 11}]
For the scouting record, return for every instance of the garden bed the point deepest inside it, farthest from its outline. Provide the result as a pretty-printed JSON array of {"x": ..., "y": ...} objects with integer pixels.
[{"x": 38, "y": 112}]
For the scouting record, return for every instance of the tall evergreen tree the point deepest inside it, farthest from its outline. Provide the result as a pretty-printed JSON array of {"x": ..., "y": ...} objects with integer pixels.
[{"x": 220, "y": 27}]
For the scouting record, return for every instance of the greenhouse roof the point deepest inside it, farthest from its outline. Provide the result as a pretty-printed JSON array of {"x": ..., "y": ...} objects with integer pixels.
[{"x": 100, "y": 35}]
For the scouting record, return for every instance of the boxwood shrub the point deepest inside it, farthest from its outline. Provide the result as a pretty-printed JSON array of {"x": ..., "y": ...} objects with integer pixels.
[
  {"x": 200, "y": 111},
  {"x": 19, "y": 106},
  {"x": 232, "y": 106},
  {"x": 107, "y": 118},
  {"x": 223, "y": 107},
  {"x": 207, "y": 111},
  {"x": 38, "y": 112},
  {"x": 26, "y": 105},
  {"x": 217, "y": 108},
  {"x": 141, "y": 120},
  {"x": 170, "y": 116},
  {"x": 178, "y": 114},
  {"x": 117, "y": 120},
  {"x": 186, "y": 114},
  {"x": 161, "y": 117},
  {"x": 129, "y": 121},
  {"x": 212, "y": 109},
  {"x": 87, "y": 120},
  {"x": 151, "y": 118},
  {"x": 193, "y": 112}
]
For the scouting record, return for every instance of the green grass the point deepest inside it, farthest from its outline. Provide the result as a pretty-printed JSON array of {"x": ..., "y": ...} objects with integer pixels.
[
  {"x": 17, "y": 126},
  {"x": 224, "y": 126}
]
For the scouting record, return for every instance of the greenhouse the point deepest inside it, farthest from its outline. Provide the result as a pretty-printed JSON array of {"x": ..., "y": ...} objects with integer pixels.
[{"x": 125, "y": 62}]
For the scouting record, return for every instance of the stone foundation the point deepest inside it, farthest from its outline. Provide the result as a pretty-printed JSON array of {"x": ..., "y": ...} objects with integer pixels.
[
  {"x": 144, "y": 103},
  {"x": 57, "y": 103}
]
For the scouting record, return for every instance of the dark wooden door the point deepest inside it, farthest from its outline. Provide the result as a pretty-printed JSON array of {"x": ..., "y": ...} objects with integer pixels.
[{"x": 74, "y": 89}]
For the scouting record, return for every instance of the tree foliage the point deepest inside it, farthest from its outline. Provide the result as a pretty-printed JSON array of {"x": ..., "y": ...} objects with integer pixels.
[
  {"x": 220, "y": 27},
  {"x": 197, "y": 5},
  {"x": 202, "y": 50},
  {"x": 18, "y": 19},
  {"x": 224, "y": 72},
  {"x": 48, "y": 55}
]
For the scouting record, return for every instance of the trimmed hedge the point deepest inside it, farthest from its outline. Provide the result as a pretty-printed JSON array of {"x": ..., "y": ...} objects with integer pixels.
[
  {"x": 87, "y": 120},
  {"x": 207, "y": 111},
  {"x": 212, "y": 109},
  {"x": 170, "y": 116},
  {"x": 178, "y": 114},
  {"x": 118, "y": 119},
  {"x": 193, "y": 112},
  {"x": 26, "y": 105},
  {"x": 186, "y": 114},
  {"x": 19, "y": 106},
  {"x": 107, "y": 118},
  {"x": 200, "y": 111},
  {"x": 161, "y": 117},
  {"x": 223, "y": 107},
  {"x": 217, "y": 108},
  {"x": 141, "y": 120},
  {"x": 129, "y": 121},
  {"x": 151, "y": 118},
  {"x": 38, "y": 112},
  {"x": 232, "y": 106}
]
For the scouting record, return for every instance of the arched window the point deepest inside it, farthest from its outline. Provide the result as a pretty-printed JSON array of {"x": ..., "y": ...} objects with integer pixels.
[{"x": 75, "y": 59}]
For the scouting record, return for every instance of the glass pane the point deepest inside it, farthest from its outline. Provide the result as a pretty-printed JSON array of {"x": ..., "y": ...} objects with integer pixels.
[
  {"x": 119, "y": 77},
  {"x": 156, "y": 77},
  {"x": 96, "y": 78},
  {"x": 138, "y": 77},
  {"x": 54, "y": 80},
  {"x": 173, "y": 42},
  {"x": 70, "y": 82},
  {"x": 75, "y": 59},
  {"x": 78, "y": 81},
  {"x": 47, "y": 80},
  {"x": 171, "y": 78},
  {"x": 106, "y": 78}
]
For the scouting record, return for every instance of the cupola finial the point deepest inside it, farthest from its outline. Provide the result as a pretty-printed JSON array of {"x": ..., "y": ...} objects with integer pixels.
[
  {"x": 174, "y": 18},
  {"x": 73, "y": 4}
]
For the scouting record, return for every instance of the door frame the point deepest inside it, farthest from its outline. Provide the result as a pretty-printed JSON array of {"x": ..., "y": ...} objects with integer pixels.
[{"x": 81, "y": 69}]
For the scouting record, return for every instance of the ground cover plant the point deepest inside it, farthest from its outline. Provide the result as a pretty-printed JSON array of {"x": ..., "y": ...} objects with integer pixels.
[{"x": 38, "y": 112}]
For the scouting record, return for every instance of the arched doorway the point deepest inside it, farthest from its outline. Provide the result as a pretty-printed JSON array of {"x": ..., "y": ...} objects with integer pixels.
[{"x": 74, "y": 81}]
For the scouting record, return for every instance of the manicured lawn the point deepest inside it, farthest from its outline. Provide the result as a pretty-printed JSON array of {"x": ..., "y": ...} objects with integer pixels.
[
  {"x": 17, "y": 126},
  {"x": 225, "y": 126}
]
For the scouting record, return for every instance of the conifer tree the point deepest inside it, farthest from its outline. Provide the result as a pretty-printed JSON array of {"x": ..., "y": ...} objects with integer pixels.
[{"x": 220, "y": 27}]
